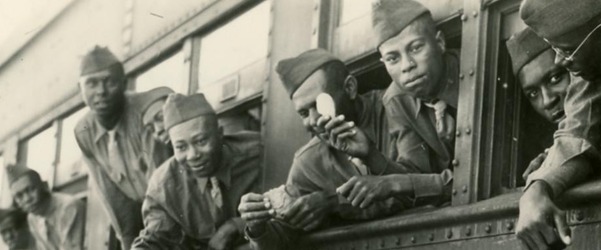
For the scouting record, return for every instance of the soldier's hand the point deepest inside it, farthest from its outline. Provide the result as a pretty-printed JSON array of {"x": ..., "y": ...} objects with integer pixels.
[
  {"x": 361, "y": 191},
  {"x": 225, "y": 237},
  {"x": 535, "y": 164},
  {"x": 308, "y": 211},
  {"x": 255, "y": 210},
  {"x": 541, "y": 224},
  {"x": 344, "y": 136}
]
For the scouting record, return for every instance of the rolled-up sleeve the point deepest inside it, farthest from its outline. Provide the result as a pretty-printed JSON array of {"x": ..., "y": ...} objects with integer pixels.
[{"x": 577, "y": 140}]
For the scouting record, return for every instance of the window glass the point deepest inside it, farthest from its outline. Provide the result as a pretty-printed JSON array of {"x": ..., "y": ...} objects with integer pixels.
[
  {"x": 41, "y": 153},
  {"x": 70, "y": 164},
  {"x": 235, "y": 45},
  {"x": 169, "y": 72},
  {"x": 353, "y": 9}
]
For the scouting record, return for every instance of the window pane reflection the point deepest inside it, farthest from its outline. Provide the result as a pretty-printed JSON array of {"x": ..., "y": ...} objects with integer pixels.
[
  {"x": 353, "y": 9},
  {"x": 221, "y": 54},
  {"x": 41, "y": 150},
  {"x": 70, "y": 163},
  {"x": 169, "y": 72}
]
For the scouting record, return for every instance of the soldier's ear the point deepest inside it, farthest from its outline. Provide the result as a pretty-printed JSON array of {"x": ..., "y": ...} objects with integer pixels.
[
  {"x": 351, "y": 86},
  {"x": 440, "y": 41}
]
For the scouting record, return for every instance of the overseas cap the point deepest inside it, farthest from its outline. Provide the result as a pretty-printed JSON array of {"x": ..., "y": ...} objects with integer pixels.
[
  {"x": 15, "y": 172},
  {"x": 100, "y": 58},
  {"x": 294, "y": 71},
  {"x": 180, "y": 108},
  {"x": 390, "y": 17},
  {"x": 553, "y": 18},
  {"x": 151, "y": 107},
  {"x": 523, "y": 47}
]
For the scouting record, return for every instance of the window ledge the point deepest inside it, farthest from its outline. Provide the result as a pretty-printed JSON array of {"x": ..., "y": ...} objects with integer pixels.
[{"x": 499, "y": 207}]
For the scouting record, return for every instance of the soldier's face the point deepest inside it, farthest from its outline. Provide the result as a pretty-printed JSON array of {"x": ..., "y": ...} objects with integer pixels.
[
  {"x": 414, "y": 60},
  {"x": 103, "y": 91},
  {"x": 158, "y": 128},
  {"x": 304, "y": 99},
  {"x": 28, "y": 194},
  {"x": 14, "y": 235},
  {"x": 545, "y": 85},
  {"x": 197, "y": 145},
  {"x": 586, "y": 61}
]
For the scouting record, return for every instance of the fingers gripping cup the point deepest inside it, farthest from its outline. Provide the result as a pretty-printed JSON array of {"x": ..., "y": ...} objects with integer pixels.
[{"x": 280, "y": 198}]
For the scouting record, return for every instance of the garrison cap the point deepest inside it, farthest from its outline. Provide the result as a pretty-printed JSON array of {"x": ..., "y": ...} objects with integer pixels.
[
  {"x": 180, "y": 108},
  {"x": 15, "y": 172},
  {"x": 390, "y": 17},
  {"x": 99, "y": 58},
  {"x": 151, "y": 106},
  {"x": 17, "y": 215},
  {"x": 523, "y": 47},
  {"x": 294, "y": 71},
  {"x": 553, "y": 18}
]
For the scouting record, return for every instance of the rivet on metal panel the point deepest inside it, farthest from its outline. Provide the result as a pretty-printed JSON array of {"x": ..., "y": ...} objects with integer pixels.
[
  {"x": 398, "y": 241},
  {"x": 454, "y": 191},
  {"x": 449, "y": 234},
  {"x": 314, "y": 31},
  {"x": 579, "y": 215},
  {"x": 487, "y": 229},
  {"x": 413, "y": 240},
  {"x": 468, "y": 231},
  {"x": 461, "y": 76},
  {"x": 509, "y": 225},
  {"x": 455, "y": 162},
  {"x": 463, "y": 17},
  {"x": 316, "y": 7},
  {"x": 458, "y": 133},
  {"x": 471, "y": 72},
  {"x": 464, "y": 188},
  {"x": 468, "y": 131},
  {"x": 431, "y": 237},
  {"x": 475, "y": 13}
]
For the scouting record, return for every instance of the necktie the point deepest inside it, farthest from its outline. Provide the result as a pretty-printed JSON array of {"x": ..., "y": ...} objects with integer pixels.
[
  {"x": 216, "y": 192},
  {"x": 439, "y": 112},
  {"x": 115, "y": 158}
]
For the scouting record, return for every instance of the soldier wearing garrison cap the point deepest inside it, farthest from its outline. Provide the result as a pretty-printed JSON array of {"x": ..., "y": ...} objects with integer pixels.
[
  {"x": 572, "y": 28},
  {"x": 322, "y": 165},
  {"x": 152, "y": 120},
  {"x": 112, "y": 139},
  {"x": 420, "y": 103},
  {"x": 544, "y": 83},
  {"x": 56, "y": 220},
  {"x": 15, "y": 230},
  {"x": 192, "y": 197}
]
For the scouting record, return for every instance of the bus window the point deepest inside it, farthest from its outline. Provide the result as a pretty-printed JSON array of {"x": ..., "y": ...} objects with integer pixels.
[
  {"x": 232, "y": 70},
  {"x": 41, "y": 153},
  {"x": 169, "y": 72},
  {"x": 70, "y": 164},
  {"x": 519, "y": 134}
]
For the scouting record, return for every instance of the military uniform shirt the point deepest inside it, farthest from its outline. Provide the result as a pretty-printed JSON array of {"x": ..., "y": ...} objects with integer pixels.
[
  {"x": 62, "y": 227},
  {"x": 180, "y": 214}
]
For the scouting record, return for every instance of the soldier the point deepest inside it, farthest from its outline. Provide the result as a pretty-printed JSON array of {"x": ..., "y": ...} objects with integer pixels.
[
  {"x": 192, "y": 197},
  {"x": 111, "y": 137},
  {"x": 152, "y": 119},
  {"x": 15, "y": 231},
  {"x": 319, "y": 167},
  {"x": 57, "y": 221},
  {"x": 572, "y": 30},
  {"x": 420, "y": 103},
  {"x": 544, "y": 83}
]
